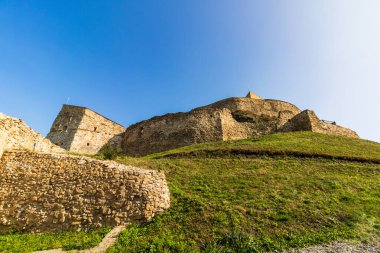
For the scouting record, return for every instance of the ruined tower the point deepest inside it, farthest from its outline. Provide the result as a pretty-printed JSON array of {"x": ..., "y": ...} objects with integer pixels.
[{"x": 81, "y": 130}]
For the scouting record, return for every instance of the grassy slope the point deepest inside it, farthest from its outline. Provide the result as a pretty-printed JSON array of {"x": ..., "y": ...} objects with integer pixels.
[
  {"x": 255, "y": 204},
  {"x": 19, "y": 243},
  {"x": 299, "y": 142},
  {"x": 249, "y": 203}
]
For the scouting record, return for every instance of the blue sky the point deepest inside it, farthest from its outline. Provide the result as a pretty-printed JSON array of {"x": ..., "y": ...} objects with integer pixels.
[{"x": 131, "y": 60}]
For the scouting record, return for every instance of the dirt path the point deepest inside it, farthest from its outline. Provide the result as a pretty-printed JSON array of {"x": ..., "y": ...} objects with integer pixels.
[
  {"x": 337, "y": 247},
  {"x": 108, "y": 241}
]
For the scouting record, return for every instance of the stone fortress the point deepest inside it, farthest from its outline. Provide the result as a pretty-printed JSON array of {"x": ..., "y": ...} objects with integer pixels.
[
  {"x": 81, "y": 130},
  {"x": 43, "y": 188}
]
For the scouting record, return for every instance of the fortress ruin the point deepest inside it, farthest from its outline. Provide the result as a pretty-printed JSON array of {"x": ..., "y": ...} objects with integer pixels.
[
  {"x": 228, "y": 119},
  {"x": 58, "y": 191},
  {"x": 81, "y": 130}
]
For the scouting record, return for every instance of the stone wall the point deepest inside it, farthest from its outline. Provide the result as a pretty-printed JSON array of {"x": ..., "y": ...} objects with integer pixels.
[
  {"x": 256, "y": 107},
  {"x": 2, "y": 143},
  {"x": 42, "y": 192},
  {"x": 84, "y": 131},
  {"x": 326, "y": 128},
  {"x": 308, "y": 121},
  {"x": 172, "y": 131},
  {"x": 15, "y": 134},
  {"x": 229, "y": 119},
  {"x": 81, "y": 130}
]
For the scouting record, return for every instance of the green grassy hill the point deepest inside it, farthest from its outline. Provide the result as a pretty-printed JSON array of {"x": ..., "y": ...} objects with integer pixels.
[
  {"x": 302, "y": 144},
  {"x": 267, "y": 193},
  {"x": 256, "y": 195}
]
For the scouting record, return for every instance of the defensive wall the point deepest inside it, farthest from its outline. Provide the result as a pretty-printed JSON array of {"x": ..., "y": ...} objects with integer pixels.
[
  {"x": 307, "y": 120},
  {"x": 229, "y": 119},
  {"x": 56, "y": 192},
  {"x": 81, "y": 130}
]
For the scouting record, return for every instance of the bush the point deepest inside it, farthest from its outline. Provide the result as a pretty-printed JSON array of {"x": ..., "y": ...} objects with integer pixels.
[{"x": 109, "y": 153}]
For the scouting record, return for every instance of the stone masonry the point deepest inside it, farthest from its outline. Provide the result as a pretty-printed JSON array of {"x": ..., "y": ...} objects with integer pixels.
[
  {"x": 81, "y": 130},
  {"x": 15, "y": 134},
  {"x": 228, "y": 119},
  {"x": 2, "y": 143},
  {"x": 44, "y": 189},
  {"x": 56, "y": 192},
  {"x": 308, "y": 121}
]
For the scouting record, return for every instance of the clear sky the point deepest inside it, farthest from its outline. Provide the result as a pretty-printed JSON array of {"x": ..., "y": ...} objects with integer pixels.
[{"x": 131, "y": 60}]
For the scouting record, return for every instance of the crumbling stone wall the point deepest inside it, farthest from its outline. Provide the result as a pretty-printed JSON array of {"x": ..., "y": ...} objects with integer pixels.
[
  {"x": 43, "y": 192},
  {"x": 229, "y": 119},
  {"x": 173, "y": 131},
  {"x": 257, "y": 107},
  {"x": 81, "y": 130},
  {"x": 326, "y": 128},
  {"x": 307, "y": 120},
  {"x": 15, "y": 134}
]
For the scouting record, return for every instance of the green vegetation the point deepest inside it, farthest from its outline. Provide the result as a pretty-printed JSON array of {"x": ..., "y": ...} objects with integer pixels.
[
  {"x": 240, "y": 203},
  {"x": 108, "y": 153},
  {"x": 18, "y": 243},
  {"x": 305, "y": 143},
  {"x": 252, "y": 195}
]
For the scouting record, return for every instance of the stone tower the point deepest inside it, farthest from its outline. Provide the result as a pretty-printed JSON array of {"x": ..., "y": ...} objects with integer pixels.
[{"x": 81, "y": 130}]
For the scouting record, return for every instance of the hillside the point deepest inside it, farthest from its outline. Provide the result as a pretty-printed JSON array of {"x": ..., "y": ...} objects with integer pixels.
[
  {"x": 301, "y": 144},
  {"x": 225, "y": 199},
  {"x": 264, "y": 194}
]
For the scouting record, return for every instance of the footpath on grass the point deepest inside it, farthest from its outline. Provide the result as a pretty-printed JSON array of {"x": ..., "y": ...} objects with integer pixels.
[
  {"x": 108, "y": 241},
  {"x": 338, "y": 247}
]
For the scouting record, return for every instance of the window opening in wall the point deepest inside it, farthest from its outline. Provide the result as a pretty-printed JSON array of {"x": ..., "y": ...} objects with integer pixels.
[
  {"x": 95, "y": 129},
  {"x": 88, "y": 144}
]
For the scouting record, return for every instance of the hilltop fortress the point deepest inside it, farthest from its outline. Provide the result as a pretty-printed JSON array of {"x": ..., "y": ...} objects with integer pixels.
[
  {"x": 57, "y": 191},
  {"x": 81, "y": 130}
]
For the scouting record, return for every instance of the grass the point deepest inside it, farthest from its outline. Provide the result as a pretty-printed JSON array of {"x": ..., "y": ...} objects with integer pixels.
[
  {"x": 234, "y": 202},
  {"x": 256, "y": 205},
  {"x": 306, "y": 143},
  {"x": 20, "y": 243},
  {"x": 239, "y": 203}
]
